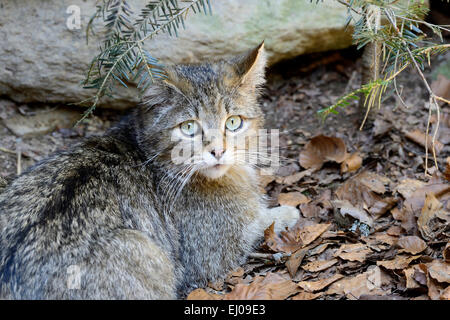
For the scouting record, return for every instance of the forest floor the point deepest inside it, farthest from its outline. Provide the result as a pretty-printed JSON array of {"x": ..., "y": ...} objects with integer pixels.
[{"x": 372, "y": 224}]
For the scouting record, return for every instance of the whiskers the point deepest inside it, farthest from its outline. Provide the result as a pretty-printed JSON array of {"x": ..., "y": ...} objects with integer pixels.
[{"x": 172, "y": 184}]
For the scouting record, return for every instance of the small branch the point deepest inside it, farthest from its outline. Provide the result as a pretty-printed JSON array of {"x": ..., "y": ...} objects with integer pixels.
[
  {"x": 430, "y": 92},
  {"x": 269, "y": 256},
  {"x": 7, "y": 150}
]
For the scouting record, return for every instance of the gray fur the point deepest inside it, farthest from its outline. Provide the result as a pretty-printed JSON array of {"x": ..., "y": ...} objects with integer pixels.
[{"x": 117, "y": 209}]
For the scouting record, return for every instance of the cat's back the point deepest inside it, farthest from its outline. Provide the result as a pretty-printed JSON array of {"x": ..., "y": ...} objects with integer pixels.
[
  {"x": 70, "y": 183},
  {"x": 60, "y": 211}
]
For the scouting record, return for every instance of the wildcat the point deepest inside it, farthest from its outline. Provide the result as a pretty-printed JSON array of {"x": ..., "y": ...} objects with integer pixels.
[{"x": 114, "y": 217}]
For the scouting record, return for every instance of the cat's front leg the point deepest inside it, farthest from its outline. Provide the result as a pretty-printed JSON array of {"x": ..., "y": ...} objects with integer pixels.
[{"x": 283, "y": 216}]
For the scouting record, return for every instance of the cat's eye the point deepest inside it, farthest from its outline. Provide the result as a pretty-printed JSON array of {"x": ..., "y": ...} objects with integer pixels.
[
  {"x": 189, "y": 128},
  {"x": 234, "y": 123}
]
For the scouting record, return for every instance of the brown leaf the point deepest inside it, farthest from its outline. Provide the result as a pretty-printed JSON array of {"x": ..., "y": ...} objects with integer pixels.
[
  {"x": 313, "y": 286},
  {"x": 431, "y": 209},
  {"x": 443, "y": 134},
  {"x": 310, "y": 210},
  {"x": 439, "y": 270},
  {"x": 407, "y": 187},
  {"x": 410, "y": 275},
  {"x": 310, "y": 233},
  {"x": 346, "y": 208},
  {"x": 271, "y": 287},
  {"x": 446, "y": 252},
  {"x": 435, "y": 289},
  {"x": 295, "y": 260},
  {"x": 315, "y": 266},
  {"x": 447, "y": 169},
  {"x": 321, "y": 149},
  {"x": 394, "y": 231},
  {"x": 307, "y": 296},
  {"x": 398, "y": 263},
  {"x": 371, "y": 282},
  {"x": 381, "y": 127},
  {"x": 285, "y": 242},
  {"x": 266, "y": 179},
  {"x": 412, "y": 244},
  {"x": 353, "y": 252},
  {"x": 406, "y": 217},
  {"x": 201, "y": 294},
  {"x": 362, "y": 192},
  {"x": 420, "y": 138},
  {"x": 294, "y": 178},
  {"x": 441, "y": 86},
  {"x": 292, "y": 199},
  {"x": 445, "y": 295},
  {"x": 351, "y": 163},
  {"x": 416, "y": 201},
  {"x": 385, "y": 238}
]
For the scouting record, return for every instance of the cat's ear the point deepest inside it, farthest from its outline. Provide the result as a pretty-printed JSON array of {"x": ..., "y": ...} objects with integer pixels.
[{"x": 248, "y": 69}]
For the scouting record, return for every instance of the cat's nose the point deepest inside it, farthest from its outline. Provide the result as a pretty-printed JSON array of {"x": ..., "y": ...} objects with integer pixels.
[{"x": 217, "y": 152}]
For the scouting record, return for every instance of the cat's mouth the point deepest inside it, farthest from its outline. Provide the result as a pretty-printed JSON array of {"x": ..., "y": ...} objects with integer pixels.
[{"x": 215, "y": 171}]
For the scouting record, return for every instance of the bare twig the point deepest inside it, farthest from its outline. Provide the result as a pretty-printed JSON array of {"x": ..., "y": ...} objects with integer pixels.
[{"x": 430, "y": 92}]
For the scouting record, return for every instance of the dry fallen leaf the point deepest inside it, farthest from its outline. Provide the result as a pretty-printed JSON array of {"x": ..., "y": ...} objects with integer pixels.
[
  {"x": 394, "y": 231},
  {"x": 445, "y": 295},
  {"x": 285, "y": 242},
  {"x": 351, "y": 163},
  {"x": 294, "y": 178},
  {"x": 384, "y": 238},
  {"x": 432, "y": 208},
  {"x": 443, "y": 134},
  {"x": 292, "y": 199},
  {"x": 271, "y": 287},
  {"x": 421, "y": 138},
  {"x": 353, "y": 252},
  {"x": 319, "y": 265},
  {"x": 435, "y": 289},
  {"x": 346, "y": 208},
  {"x": 441, "y": 86},
  {"x": 447, "y": 169},
  {"x": 307, "y": 296},
  {"x": 266, "y": 179},
  {"x": 294, "y": 238},
  {"x": 398, "y": 263},
  {"x": 371, "y": 282},
  {"x": 446, "y": 253},
  {"x": 201, "y": 294},
  {"x": 321, "y": 149},
  {"x": 439, "y": 270},
  {"x": 416, "y": 201},
  {"x": 295, "y": 260},
  {"x": 313, "y": 286},
  {"x": 362, "y": 192},
  {"x": 411, "y": 275},
  {"x": 407, "y": 187},
  {"x": 310, "y": 233},
  {"x": 411, "y": 244}
]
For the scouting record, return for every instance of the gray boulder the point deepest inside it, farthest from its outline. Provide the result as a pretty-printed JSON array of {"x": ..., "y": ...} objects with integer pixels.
[{"x": 41, "y": 59}]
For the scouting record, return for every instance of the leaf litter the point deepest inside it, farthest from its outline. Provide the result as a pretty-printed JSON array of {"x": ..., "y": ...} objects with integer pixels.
[{"x": 363, "y": 233}]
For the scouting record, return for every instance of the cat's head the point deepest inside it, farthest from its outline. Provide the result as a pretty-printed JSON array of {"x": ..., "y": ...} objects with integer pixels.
[{"x": 203, "y": 118}]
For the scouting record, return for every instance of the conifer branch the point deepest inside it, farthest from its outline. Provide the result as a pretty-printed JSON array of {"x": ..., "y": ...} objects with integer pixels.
[{"x": 122, "y": 57}]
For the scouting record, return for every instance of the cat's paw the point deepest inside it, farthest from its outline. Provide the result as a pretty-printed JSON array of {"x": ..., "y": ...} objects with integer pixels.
[{"x": 284, "y": 216}]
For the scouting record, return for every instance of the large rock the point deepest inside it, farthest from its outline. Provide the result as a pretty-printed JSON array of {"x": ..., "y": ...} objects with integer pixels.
[{"x": 42, "y": 60}]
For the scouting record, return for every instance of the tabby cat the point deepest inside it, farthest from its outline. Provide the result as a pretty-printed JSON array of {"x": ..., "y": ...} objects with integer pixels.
[{"x": 119, "y": 217}]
